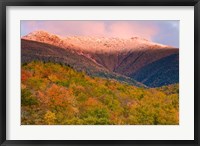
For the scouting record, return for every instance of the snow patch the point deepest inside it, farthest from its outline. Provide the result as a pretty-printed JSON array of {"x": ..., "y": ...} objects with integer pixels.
[{"x": 93, "y": 44}]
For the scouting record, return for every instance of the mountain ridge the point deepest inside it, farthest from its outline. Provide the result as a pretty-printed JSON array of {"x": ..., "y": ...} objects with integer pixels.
[
  {"x": 96, "y": 43},
  {"x": 126, "y": 57}
]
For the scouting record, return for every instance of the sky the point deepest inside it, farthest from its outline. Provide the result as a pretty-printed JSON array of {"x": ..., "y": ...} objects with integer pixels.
[{"x": 160, "y": 31}]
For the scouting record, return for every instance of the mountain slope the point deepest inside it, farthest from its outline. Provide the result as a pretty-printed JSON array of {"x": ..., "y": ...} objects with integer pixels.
[
  {"x": 129, "y": 62},
  {"x": 99, "y": 55},
  {"x": 159, "y": 73},
  {"x": 32, "y": 50}
]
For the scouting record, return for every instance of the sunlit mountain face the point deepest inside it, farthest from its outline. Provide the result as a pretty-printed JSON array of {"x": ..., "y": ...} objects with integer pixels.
[{"x": 134, "y": 60}]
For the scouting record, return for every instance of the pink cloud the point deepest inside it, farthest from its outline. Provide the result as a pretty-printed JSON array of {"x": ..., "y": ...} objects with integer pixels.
[
  {"x": 165, "y": 31},
  {"x": 127, "y": 30},
  {"x": 122, "y": 29},
  {"x": 94, "y": 29}
]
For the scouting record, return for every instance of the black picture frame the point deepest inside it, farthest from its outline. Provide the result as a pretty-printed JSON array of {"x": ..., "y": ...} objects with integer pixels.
[{"x": 5, "y": 3}]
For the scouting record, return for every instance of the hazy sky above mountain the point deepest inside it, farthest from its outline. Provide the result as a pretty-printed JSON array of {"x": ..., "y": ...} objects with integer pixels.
[{"x": 160, "y": 31}]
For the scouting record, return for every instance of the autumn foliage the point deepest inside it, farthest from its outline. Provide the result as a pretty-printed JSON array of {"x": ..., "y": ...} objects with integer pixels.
[{"x": 54, "y": 94}]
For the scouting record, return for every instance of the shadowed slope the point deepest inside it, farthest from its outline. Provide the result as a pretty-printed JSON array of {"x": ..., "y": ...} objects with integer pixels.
[{"x": 161, "y": 72}]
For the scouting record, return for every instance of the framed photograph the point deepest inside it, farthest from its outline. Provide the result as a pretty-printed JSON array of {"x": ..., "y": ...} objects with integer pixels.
[{"x": 99, "y": 72}]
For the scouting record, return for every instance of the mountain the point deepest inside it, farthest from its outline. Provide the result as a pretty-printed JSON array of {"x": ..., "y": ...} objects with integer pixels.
[
  {"x": 92, "y": 44},
  {"x": 129, "y": 59},
  {"x": 36, "y": 51}
]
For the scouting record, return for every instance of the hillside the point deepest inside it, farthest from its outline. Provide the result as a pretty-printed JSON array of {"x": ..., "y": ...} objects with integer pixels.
[
  {"x": 57, "y": 94},
  {"x": 33, "y": 51},
  {"x": 159, "y": 73},
  {"x": 121, "y": 59}
]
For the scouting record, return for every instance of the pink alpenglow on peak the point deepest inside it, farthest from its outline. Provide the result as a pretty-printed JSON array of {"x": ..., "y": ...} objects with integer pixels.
[{"x": 93, "y": 44}]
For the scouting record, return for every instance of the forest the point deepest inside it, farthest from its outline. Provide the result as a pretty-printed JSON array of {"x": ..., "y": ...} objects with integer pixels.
[{"x": 56, "y": 94}]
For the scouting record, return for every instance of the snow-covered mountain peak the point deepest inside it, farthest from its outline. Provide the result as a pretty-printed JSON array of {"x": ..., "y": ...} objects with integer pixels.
[{"x": 91, "y": 43}]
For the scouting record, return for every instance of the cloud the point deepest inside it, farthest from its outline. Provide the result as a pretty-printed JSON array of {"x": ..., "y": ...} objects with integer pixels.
[
  {"x": 131, "y": 29},
  {"x": 168, "y": 33},
  {"x": 151, "y": 30},
  {"x": 124, "y": 29}
]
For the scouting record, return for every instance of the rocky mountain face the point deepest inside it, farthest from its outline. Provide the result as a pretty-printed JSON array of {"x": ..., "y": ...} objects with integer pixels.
[{"x": 127, "y": 60}]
